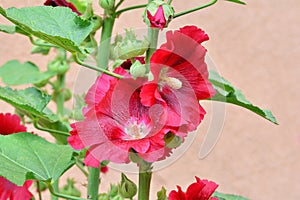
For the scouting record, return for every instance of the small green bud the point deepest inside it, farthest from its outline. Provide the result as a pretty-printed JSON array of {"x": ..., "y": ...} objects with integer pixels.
[
  {"x": 137, "y": 69},
  {"x": 130, "y": 47},
  {"x": 58, "y": 66},
  {"x": 107, "y": 4},
  {"x": 128, "y": 189},
  {"x": 114, "y": 190},
  {"x": 172, "y": 141},
  {"x": 67, "y": 94}
]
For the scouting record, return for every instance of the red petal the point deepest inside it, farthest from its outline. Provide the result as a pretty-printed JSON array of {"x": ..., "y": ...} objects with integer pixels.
[
  {"x": 9, "y": 190},
  {"x": 10, "y": 123}
]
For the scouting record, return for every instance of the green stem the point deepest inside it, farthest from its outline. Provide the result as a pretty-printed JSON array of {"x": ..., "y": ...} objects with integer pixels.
[
  {"x": 56, "y": 194},
  {"x": 145, "y": 175},
  {"x": 195, "y": 9},
  {"x": 104, "y": 50},
  {"x": 78, "y": 61},
  {"x": 93, "y": 183},
  {"x": 153, "y": 37},
  {"x": 102, "y": 61},
  {"x": 39, "y": 189},
  {"x": 119, "y": 4},
  {"x": 35, "y": 124},
  {"x": 81, "y": 167},
  {"x": 41, "y": 44},
  {"x": 130, "y": 8},
  {"x": 169, "y": 2},
  {"x": 60, "y": 97}
]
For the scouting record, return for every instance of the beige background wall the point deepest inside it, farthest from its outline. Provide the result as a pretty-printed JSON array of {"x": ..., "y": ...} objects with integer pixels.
[{"x": 257, "y": 48}]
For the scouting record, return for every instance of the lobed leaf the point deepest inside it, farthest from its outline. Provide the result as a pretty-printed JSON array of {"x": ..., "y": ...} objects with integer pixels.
[
  {"x": 229, "y": 94},
  {"x": 57, "y": 25},
  {"x": 15, "y": 73},
  {"x": 26, "y": 156}
]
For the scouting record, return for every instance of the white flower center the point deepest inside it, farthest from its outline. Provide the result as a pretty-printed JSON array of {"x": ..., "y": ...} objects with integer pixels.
[{"x": 135, "y": 130}]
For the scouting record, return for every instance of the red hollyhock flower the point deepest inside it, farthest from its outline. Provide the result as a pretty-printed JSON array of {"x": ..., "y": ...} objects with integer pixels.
[
  {"x": 158, "y": 20},
  {"x": 62, "y": 3},
  {"x": 10, "y": 124},
  {"x": 10, "y": 191},
  {"x": 200, "y": 190},
  {"x": 116, "y": 122},
  {"x": 180, "y": 77}
]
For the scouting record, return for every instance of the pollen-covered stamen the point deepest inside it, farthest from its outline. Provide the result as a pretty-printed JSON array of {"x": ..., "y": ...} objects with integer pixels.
[
  {"x": 135, "y": 130},
  {"x": 172, "y": 82}
]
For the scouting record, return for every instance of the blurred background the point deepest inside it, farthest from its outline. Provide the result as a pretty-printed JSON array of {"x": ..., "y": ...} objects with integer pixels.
[{"x": 257, "y": 48}]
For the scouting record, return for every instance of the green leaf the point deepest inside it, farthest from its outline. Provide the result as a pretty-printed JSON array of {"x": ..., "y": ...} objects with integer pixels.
[
  {"x": 30, "y": 99},
  {"x": 8, "y": 29},
  {"x": 57, "y": 25},
  {"x": 228, "y": 93},
  {"x": 222, "y": 196},
  {"x": 80, "y": 4},
  {"x": 237, "y": 1},
  {"x": 15, "y": 73},
  {"x": 27, "y": 156}
]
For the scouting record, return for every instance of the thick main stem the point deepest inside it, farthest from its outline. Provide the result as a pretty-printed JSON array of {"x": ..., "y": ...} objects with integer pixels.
[
  {"x": 104, "y": 50},
  {"x": 93, "y": 183},
  {"x": 102, "y": 62},
  {"x": 153, "y": 37},
  {"x": 145, "y": 176}
]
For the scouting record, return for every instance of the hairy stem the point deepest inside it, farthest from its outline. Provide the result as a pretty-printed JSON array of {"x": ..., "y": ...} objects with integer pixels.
[
  {"x": 195, "y": 9},
  {"x": 145, "y": 176},
  {"x": 130, "y": 8},
  {"x": 93, "y": 183}
]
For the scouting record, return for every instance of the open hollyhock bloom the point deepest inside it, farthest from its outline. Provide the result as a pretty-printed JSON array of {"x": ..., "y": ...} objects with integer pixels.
[
  {"x": 135, "y": 115},
  {"x": 116, "y": 122},
  {"x": 10, "y": 124},
  {"x": 200, "y": 190}
]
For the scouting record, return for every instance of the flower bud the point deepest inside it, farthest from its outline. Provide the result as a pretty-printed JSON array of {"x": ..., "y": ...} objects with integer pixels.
[
  {"x": 107, "y": 4},
  {"x": 128, "y": 189},
  {"x": 158, "y": 14},
  {"x": 130, "y": 47},
  {"x": 137, "y": 69},
  {"x": 58, "y": 66}
]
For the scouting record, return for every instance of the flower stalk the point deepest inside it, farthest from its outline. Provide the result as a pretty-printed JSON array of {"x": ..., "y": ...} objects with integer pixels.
[
  {"x": 145, "y": 176},
  {"x": 195, "y": 9},
  {"x": 102, "y": 62}
]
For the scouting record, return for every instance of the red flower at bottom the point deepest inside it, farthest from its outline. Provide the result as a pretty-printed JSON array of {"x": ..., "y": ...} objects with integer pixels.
[
  {"x": 10, "y": 191},
  {"x": 200, "y": 190},
  {"x": 10, "y": 124}
]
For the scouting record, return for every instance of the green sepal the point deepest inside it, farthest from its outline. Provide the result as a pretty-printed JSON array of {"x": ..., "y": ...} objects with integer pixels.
[
  {"x": 29, "y": 156},
  {"x": 226, "y": 92},
  {"x": 162, "y": 194}
]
